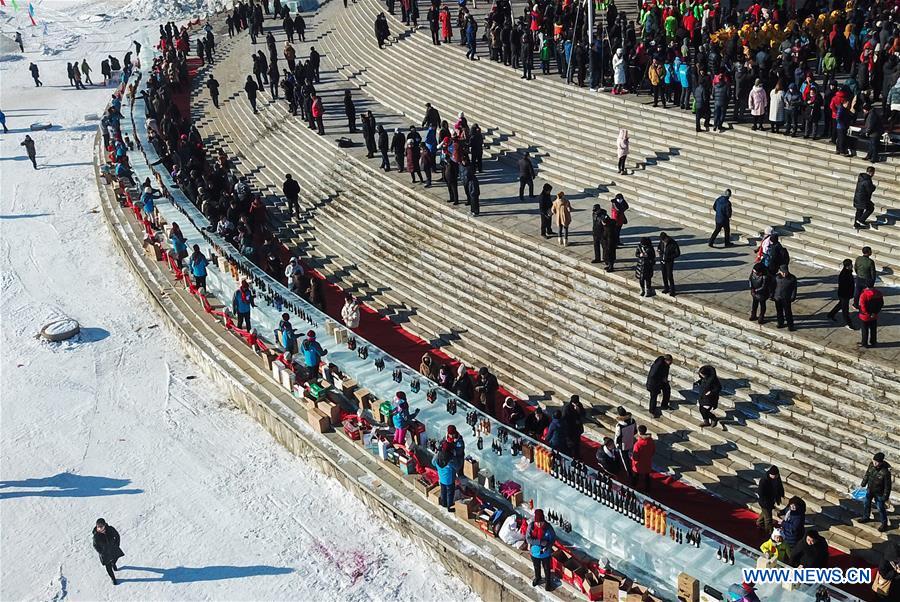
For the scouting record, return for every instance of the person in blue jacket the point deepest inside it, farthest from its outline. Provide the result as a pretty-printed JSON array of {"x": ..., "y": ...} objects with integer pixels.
[
  {"x": 446, "y": 470},
  {"x": 179, "y": 244},
  {"x": 684, "y": 79},
  {"x": 793, "y": 522},
  {"x": 312, "y": 352},
  {"x": 722, "y": 207},
  {"x": 286, "y": 335},
  {"x": 401, "y": 417},
  {"x": 241, "y": 303},
  {"x": 198, "y": 263},
  {"x": 540, "y": 537},
  {"x": 555, "y": 432},
  {"x": 147, "y": 204}
]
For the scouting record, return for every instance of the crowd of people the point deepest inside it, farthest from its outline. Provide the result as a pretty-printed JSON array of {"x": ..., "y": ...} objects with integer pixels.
[
  {"x": 813, "y": 70},
  {"x": 240, "y": 216}
]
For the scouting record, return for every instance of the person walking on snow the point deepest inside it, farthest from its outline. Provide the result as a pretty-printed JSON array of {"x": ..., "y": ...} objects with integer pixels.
[
  {"x": 86, "y": 71},
  {"x": 106, "y": 542},
  {"x": 28, "y": 143},
  {"x": 35, "y": 75}
]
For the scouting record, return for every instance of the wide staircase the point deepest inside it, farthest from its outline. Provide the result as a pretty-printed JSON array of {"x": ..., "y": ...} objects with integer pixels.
[
  {"x": 551, "y": 326},
  {"x": 800, "y": 187}
]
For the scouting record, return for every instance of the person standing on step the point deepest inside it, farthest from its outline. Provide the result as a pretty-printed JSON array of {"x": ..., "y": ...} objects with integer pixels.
[
  {"x": 540, "y": 536},
  {"x": 274, "y": 76},
  {"x": 398, "y": 147},
  {"x": 658, "y": 382},
  {"x": 432, "y": 117},
  {"x": 300, "y": 27},
  {"x": 288, "y": 24},
  {"x": 446, "y": 471},
  {"x": 317, "y": 110},
  {"x": 623, "y": 144},
  {"x": 290, "y": 55},
  {"x": 350, "y": 111},
  {"x": 526, "y": 176},
  {"x": 598, "y": 217},
  {"x": 384, "y": 147},
  {"x": 433, "y": 24},
  {"x": 451, "y": 178},
  {"x": 759, "y": 102},
  {"x": 251, "y": 89},
  {"x": 212, "y": 84},
  {"x": 412, "y": 159},
  {"x": 382, "y": 32},
  {"x": 562, "y": 211},
  {"x": 426, "y": 163},
  {"x": 785, "y": 294},
  {"x": 527, "y": 55},
  {"x": 313, "y": 352},
  {"x": 873, "y": 129},
  {"x": 862, "y": 198},
  {"x": 291, "y": 191},
  {"x": 722, "y": 208},
  {"x": 709, "y": 387},
  {"x": 877, "y": 482},
  {"x": 545, "y": 208},
  {"x": 845, "y": 294},
  {"x": 642, "y": 458},
  {"x": 107, "y": 542},
  {"x": 701, "y": 103},
  {"x": 760, "y": 287},
  {"x": 473, "y": 191},
  {"x": 643, "y": 269},
  {"x": 769, "y": 493},
  {"x": 315, "y": 61},
  {"x": 667, "y": 251},
  {"x": 476, "y": 147},
  {"x": 865, "y": 274},
  {"x": 241, "y": 304},
  {"x": 618, "y": 207},
  {"x": 471, "y": 37},
  {"x": 350, "y": 313},
  {"x": 28, "y": 143},
  {"x": 871, "y": 301},
  {"x": 626, "y": 429},
  {"x": 369, "y": 133}
]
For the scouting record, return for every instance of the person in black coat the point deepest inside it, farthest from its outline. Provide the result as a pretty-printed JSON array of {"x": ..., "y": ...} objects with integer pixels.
[
  {"x": 573, "y": 425},
  {"x": 845, "y": 288},
  {"x": 646, "y": 258},
  {"x": 473, "y": 191},
  {"x": 862, "y": 198},
  {"x": 760, "y": 286},
  {"x": 398, "y": 146},
  {"x": 213, "y": 85},
  {"x": 598, "y": 215},
  {"x": 106, "y": 542},
  {"x": 384, "y": 148},
  {"x": 545, "y": 208},
  {"x": 889, "y": 568},
  {"x": 251, "y": 89},
  {"x": 769, "y": 492},
  {"x": 350, "y": 111},
  {"x": 812, "y": 553},
  {"x": 432, "y": 117},
  {"x": 476, "y": 147},
  {"x": 526, "y": 176},
  {"x": 368, "y": 128},
  {"x": 667, "y": 251},
  {"x": 536, "y": 423},
  {"x": 709, "y": 388},
  {"x": 658, "y": 382}
]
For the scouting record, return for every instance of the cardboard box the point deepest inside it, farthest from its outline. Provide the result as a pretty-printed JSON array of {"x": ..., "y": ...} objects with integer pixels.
[
  {"x": 637, "y": 593},
  {"x": 611, "y": 589},
  {"x": 434, "y": 494},
  {"x": 470, "y": 468},
  {"x": 569, "y": 568},
  {"x": 423, "y": 486},
  {"x": 153, "y": 250},
  {"x": 267, "y": 357},
  {"x": 340, "y": 336},
  {"x": 688, "y": 588},
  {"x": 465, "y": 508},
  {"x": 319, "y": 420},
  {"x": 363, "y": 398},
  {"x": 333, "y": 411},
  {"x": 517, "y": 499},
  {"x": 277, "y": 369},
  {"x": 330, "y": 327},
  {"x": 348, "y": 385},
  {"x": 287, "y": 380}
]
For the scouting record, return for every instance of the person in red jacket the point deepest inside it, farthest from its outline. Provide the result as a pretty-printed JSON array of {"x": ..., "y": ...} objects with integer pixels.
[
  {"x": 642, "y": 457},
  {"x": 870, "y": 303},
  {"x": 318, "y": 111}
]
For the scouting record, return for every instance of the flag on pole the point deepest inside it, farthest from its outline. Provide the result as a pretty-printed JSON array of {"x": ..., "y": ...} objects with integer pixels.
[
  {"x": 2, "y": 2},
  {"x": 15, "y": 5},
  {"x": 31, "y": 14}
]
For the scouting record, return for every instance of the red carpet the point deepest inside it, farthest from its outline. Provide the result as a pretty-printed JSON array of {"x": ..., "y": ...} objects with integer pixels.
[{"x": 725, "y": 517}]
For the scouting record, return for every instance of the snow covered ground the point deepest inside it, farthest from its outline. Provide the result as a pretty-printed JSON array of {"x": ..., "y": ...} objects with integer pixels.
[{"x": 116, "y": 423}]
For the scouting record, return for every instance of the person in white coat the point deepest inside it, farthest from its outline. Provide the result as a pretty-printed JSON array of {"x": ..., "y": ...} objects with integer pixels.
[
  {"x": 511, "y": 532},
  {"x": 618, "y": 64},
  {"x": 776, "y": 107},
  {"x": 759, "y": 102},
  {"x": 350, "y": 312},
  {"x": 622, "y": 146}
]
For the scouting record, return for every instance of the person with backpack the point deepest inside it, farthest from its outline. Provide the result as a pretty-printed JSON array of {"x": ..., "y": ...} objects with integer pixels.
[
  {"x": 446, "y": 476},
  {"x": 667, "y": 251},
  {"x": 871, "y": 302},
  {"x": 312, "y": 352},
  {"x": 540, "y": 536}
]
